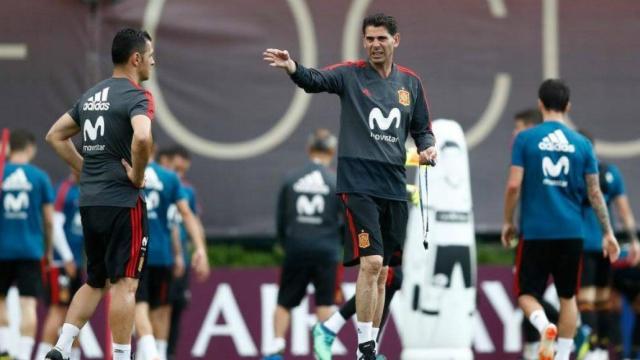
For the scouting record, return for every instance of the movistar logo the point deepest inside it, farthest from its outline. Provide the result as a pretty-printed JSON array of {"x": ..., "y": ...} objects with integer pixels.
[
  {"x": 549, "y": 168},
  {"x": 92, "y": 131},
  {"x": 98, "y": 102},
  {"x": 376, "y": 117}
]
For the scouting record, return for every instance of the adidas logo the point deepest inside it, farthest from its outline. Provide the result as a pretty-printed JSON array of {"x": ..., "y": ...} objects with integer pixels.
[
  {"x": 98, "y": 102},
  {"x": 556, "y": 141},
  {"x": 311, "y": 183},
  {"x": 17, "y": 181}
]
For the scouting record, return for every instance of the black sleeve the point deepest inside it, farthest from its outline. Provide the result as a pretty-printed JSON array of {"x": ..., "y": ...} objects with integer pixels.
[
  {"x": 142, "y": 104},
  {"x": 281, "y": 214},
  {"x": 74, "y": 112},
  {"x": 314, "y": 81},
  {"x": 420, "y": 122}
]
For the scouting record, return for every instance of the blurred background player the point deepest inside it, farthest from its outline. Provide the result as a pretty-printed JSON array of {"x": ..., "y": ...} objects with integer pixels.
[
  {"x": 164, "y": 257},
  {"x": 26, "y": 231},
  {"x": 308, "y": 223},
  {"x": 524, "y": 120},
  {"x": 551, "y": 215},
  {"x": 178, "y": 159},
  {"x": 64, "y": 276},
  {"x": 594, "y": 296}
]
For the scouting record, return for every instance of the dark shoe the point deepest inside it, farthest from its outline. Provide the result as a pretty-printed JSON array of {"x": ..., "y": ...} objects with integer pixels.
[
  {"x": 367, "y": 350},
  {"x": 54, "y": 354}
]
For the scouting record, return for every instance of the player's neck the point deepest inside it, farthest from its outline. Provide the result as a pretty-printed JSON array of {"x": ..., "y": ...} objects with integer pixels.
[
  {"x": 384, "y": 70},
  {"x": 557, "y": 116},
  {"x": 123, "y": 72},
  {"x": 19, "y": 158}
]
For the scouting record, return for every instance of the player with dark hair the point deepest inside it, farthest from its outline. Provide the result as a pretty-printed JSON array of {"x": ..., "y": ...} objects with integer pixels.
[
  {"x": 526, "y": 119},
  {"x": 554, "y": 168},
  {"x": 114, "y": 117},
  {"x": 26, "y": 231},
  {"x": 308, "y": 225},
  {"x": 381, "y": 104}
]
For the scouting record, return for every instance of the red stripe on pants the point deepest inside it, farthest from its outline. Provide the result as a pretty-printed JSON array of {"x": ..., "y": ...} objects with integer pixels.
[
  {"x": 516, "y": 278},
  {"x": 352, "y": 228}
]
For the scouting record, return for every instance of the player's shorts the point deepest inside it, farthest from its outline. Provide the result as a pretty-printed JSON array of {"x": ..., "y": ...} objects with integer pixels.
[
  {"x": 627, "y": 282},
  {"x": 596, "y": 270},
  {"x": 394, "y": 278},
  {"x": 154, "y": 287},
  {"x": 537, "y": 259},
  {"x": 295, "y": 278},
  {"x": 26, "y": 275},
  {"x": 60, "y": 288},
  {"x": 375, "y": 226},
  {"x": 115, "y": 241}
]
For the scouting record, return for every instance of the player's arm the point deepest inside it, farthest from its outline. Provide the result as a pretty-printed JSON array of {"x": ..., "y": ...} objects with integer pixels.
[
  {"x": 47, "y": 217},
  {"x": 140, "y": 149},
  {"x": 176, "y": 245},
  {"x": 623, "y": 208},
  {"x": 61, "y": 245},
  {"x": 610, "y": 246},
  {"x": 511, "y": 197},
  {"x": 199, "y": 260},
  {"x": 311, "y": 80},
  {"x": 59, "y": 138},
  {"x": 421, "y": 129}
]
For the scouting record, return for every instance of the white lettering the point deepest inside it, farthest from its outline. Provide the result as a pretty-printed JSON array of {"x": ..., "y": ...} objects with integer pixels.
[
  {"x": 549, "y": 168},
  {"x": 91, "y": 131},
  {"x": 16, "y": 202},
  {"x": 384, "y": 123},
  {"x": 224, "y": 304},
  {"x": 306, "y": 206}
]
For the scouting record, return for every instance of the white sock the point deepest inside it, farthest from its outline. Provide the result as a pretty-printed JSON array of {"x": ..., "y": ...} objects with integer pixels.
[
  {"x": 147, "y": 347},
  {"x": 563, "y": 349},
  {"x": 530, "y": 350},
  {"x": 335, "y": 322},
  {"x": 365, "y": 330},
  {"x": 539, "y": 320},
  {"x": 75, "y": 354},
  {"x": 161, "y": 345},
  {"x": 43, "y": 349},
  {"x": 25, "y": 348},
  {"x": 67, "y": 335},
  {"x": 121, "y": 351},
  {"x": 4, "y": 338},
  {"x": 277, "y": 346}
]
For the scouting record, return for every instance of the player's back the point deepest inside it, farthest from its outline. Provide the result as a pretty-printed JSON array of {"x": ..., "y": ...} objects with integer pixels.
[
  {"x": 162, "y": 189},
  {"x": 104, "y": 114},
  {"x": 555, "y": 161},
  {"x": 25, "y": 189},
  {"x": 310, "y": 211}
]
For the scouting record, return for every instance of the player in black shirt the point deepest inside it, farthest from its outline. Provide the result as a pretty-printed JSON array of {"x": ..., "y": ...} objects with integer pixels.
[
  {"x": 381, "y": 103},
  {"x": 114, "y": 118}
]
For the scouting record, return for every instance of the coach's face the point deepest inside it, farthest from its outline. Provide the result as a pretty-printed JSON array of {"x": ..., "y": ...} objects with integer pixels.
[
  {"x": 146, "y": 62},
  {"x": 379, "y": 44}
]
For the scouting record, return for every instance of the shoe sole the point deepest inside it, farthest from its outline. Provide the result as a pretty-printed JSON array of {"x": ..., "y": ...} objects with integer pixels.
[{"x": 546, "y": 351}]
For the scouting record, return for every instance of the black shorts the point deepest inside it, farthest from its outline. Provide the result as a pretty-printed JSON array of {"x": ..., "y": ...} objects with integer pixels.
[
  {"x": 537, "y": 259},
  {"x": 375, "y": 226},
  {"x": 627, "y": 282},
  {"x": 115, "y": 241},
  {"x": 60, "y": 288},
  {"x": 596, "y": 270},
  {"x": 295, "y": 278},
  {"x": 394, "y": 278},
  {"x": 154, "y": 286},
  {"x": 180, "y": 295},
  {"x": 26, "y": 275}
]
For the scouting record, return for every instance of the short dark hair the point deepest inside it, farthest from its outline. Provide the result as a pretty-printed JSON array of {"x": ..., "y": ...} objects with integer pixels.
[
  {"x": 126, "y": 42},
  {"x": 531, "y": 117},
  {"x": 20, "y": 139},
  {"x": 380, "y": 19},
  {"x": 322, "y": 140},
  {"x": 164, "y": 152},
  {"x": 554, "y": 94},
  {"x": 181, "y": 151}
]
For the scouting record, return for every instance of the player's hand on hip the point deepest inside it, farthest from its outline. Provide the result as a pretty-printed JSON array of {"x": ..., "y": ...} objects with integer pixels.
[
  {"x": 508, "y": 234},
  {"x": 280, "y": 59},
  {"x": 71, "y": 269},
  {"x": 429, "y": 156},
  {"x": 136, "y": 180},
  {"x": 610, "y": 247},
  {"x": 200, "y": 264}
]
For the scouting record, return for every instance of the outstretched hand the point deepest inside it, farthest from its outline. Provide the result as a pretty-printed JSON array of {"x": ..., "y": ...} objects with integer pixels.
[{"x": 280, "y": 59}]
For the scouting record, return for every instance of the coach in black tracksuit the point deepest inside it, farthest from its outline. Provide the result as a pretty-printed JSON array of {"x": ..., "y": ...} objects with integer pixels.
[
  {"x": 381, "y": 103},
  {"x": 308, "y": 224}
]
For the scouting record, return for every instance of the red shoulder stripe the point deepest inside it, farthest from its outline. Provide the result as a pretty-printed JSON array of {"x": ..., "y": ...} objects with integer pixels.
[{"x": 358, "y": 63}]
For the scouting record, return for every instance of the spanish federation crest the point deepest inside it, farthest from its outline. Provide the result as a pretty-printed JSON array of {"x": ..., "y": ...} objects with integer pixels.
[
  {"x": 403, "y": 97},
  {"x": 363, "y": 240}
]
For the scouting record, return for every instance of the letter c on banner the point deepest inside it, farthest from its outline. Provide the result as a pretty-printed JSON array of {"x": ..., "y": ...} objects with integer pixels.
[
  {"x": 243, "y": 149},
  {"x": 501, "y": 83}
]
